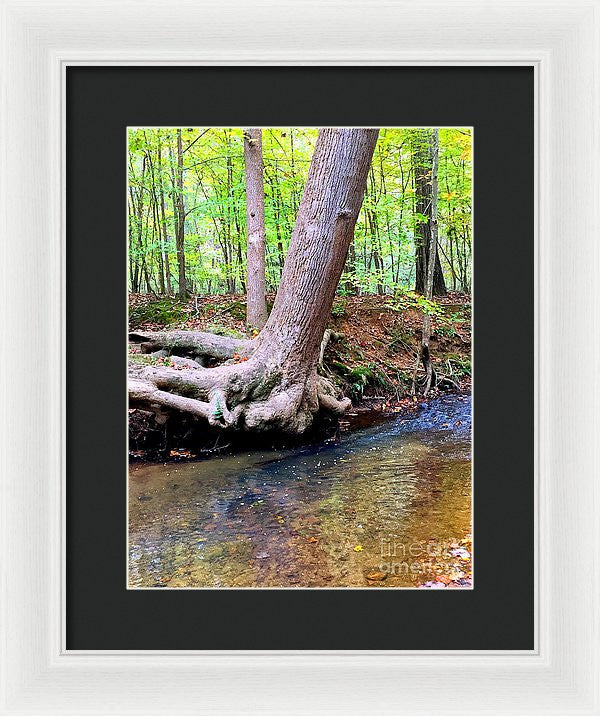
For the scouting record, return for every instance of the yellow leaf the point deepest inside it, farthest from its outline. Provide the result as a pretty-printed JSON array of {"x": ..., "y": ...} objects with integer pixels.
[{"x": 358, "y": 548}]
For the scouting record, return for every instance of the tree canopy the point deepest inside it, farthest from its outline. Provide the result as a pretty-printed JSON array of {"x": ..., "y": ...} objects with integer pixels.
[{"x": 196, "y": 191}]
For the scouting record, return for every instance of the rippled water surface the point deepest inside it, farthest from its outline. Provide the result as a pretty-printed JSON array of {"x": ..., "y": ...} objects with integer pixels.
[{"x": 388, "y": 499}]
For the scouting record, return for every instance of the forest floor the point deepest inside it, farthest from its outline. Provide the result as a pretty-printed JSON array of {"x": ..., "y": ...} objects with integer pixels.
[{"x": 372, "y": 354}]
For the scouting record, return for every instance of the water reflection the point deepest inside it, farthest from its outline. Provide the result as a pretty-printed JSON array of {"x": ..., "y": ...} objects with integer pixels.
[{"x": 379, "y": 503}]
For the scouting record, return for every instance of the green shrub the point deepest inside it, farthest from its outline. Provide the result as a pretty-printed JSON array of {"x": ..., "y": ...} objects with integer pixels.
[
  {"x": 339, "y": 308},
  {"x": 460, "y": 364},
  {"x": 363, "y": 376}
]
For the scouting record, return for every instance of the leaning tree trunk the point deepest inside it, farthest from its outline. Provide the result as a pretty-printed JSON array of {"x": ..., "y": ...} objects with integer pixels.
[
  {"x": 275, "y": 384},
  {"x": 256, "y": 315}
]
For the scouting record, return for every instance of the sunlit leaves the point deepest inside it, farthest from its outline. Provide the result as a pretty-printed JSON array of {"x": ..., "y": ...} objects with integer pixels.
[{"x": 383, "y": 251}]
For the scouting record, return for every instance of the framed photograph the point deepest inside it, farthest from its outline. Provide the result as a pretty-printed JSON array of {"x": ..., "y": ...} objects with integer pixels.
[
  {"x": 300, "y": 408},
  {"x": 286, "y": 379}
]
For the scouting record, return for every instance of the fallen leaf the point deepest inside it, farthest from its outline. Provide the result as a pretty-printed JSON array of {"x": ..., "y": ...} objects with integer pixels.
[
  {"x": 376, "y": 576},
  {"x": 358, "y": 548}
]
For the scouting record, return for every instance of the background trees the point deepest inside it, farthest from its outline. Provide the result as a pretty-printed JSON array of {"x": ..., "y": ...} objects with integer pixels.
[
  {"x": 276, "y": 385},
  {"x": 187, "y": 197}
]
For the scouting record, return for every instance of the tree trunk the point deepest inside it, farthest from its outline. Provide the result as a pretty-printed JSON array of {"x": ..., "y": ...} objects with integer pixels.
[
  {"x": 423, "y": 190},
  {"x": 163, "y": 222},
  {"x": 275, "y": 383},
  {"x": 229, "y": 205},
  {"x": 256, "y": 312},
  {"x": 180, "y": 238},
  {"x": 431, "y": 255}
]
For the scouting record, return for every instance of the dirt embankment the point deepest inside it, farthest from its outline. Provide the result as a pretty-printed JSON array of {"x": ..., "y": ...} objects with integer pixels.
[{"x": 372, "y": 353}]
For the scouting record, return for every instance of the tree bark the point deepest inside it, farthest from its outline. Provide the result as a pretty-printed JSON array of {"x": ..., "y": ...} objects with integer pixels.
[
  {"x": 256, "y": 311},
  {"x": 276, "y": 384},
  {"x": 423, "y": 194},
  {"x": 431, "y": 256},
  {"x": 163, "y": 222},
  {"x": 180, "y": 238}
]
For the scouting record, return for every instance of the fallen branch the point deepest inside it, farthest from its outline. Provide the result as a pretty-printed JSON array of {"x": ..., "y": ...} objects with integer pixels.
[{"x": 195, "y": 343}]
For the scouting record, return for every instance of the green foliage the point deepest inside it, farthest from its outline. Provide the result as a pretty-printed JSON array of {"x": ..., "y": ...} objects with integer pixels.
[
  {"x": 164, "y": 312},
  {"x": 339, "y": 308},
  {"x": 408, "y": 299},
  {"x": 381, "y": 257},
  {"x": 363, "y": 376},
  {"x": 429, "y": 307},
  {"x": 447, "y": 322},
  {"x": 460, "y": 364},
  {"x": 445, "y": 330}
]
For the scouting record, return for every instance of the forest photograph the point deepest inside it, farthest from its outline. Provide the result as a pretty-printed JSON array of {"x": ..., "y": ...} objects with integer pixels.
[{"x": 299, "y": 362}]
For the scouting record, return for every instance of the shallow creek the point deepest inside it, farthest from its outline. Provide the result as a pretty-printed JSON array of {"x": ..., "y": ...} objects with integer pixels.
[{"x": 391, "y": 502}]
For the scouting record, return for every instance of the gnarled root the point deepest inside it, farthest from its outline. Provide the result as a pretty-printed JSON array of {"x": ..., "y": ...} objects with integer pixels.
[
  {"x": 328, "y": 400},
  {"x": 246, "y": 396}
]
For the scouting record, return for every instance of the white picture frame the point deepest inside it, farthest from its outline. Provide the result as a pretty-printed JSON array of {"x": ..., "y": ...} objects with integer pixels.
[{"x": 560, "y": 39}]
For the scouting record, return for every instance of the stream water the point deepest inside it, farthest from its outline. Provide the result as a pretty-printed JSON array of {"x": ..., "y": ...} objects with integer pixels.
[{"x": 391, "y": 502}]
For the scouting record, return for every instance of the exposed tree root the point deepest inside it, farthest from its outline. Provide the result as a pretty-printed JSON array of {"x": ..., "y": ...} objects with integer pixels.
[
  {"x": 255, "y": 394},
  {"x": 327, "y": 337}
]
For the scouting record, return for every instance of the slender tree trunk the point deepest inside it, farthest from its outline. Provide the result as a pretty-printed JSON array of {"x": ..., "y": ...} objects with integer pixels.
[
  {"x": 140, "y": 225},
  {"x": 431, "y": 254},
  {"x": 180, "y": 238},
  {"x": 278, "y": 387},
  {"x": 163, "y": 222},
  {"x": 256, "y": 312},
  {"x": 350, "y": 286},
  {"x": 156, "y": 221},
  {"x": 293, "y": 172},
  {"x": 229, "y": 204},
  {"x": 423, "y": 186},
  {"x": 277, "y": 210}
]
